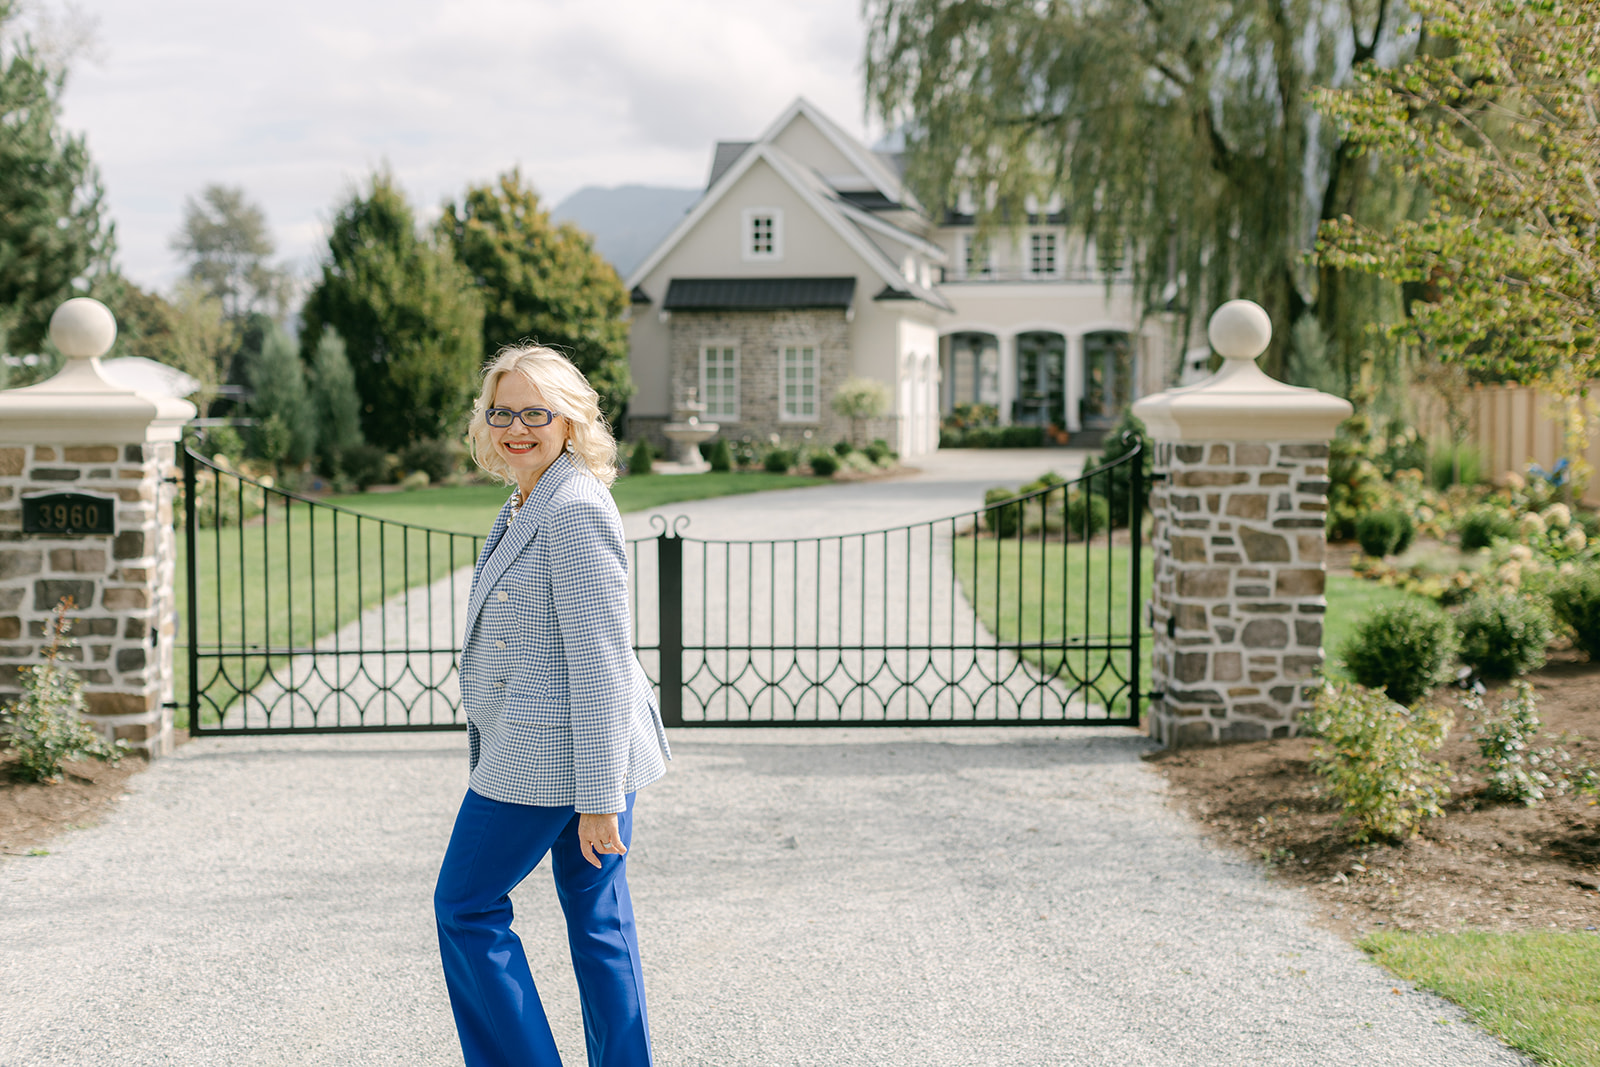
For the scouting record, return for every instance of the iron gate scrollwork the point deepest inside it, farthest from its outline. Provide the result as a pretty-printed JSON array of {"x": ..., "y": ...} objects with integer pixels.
[{"x": 308, "y": 617}]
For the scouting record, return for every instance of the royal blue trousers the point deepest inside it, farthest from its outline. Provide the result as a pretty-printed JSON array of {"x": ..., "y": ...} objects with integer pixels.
[{"x": 499, "y": 1017}]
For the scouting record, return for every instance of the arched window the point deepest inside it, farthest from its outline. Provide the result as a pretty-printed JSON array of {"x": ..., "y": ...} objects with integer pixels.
[{"x": 972, "y": 369}]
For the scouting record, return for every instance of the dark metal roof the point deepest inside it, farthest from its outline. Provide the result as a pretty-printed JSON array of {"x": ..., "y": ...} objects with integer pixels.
[
  {"x": 869, "y": 201},
  {"x": 638, "y": 296},
  {"x": 727, "y": 154},
  {"x": 891, "y": 293},
  {"x": 754, "y": 294}
]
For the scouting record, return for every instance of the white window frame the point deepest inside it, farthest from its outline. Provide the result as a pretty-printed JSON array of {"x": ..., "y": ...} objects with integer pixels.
[
  {"x": 786, "y": 411},
  {"x": 969, "y": 244},
  {"x": 747, "y": 234},
  {"x": 721, "y": 347},
  {"x": 1036, "y": 238}
]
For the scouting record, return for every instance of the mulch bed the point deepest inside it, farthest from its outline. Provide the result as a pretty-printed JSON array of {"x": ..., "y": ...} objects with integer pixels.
[
  {"x": 31, "y": 812},
  {"x": 1486, "y": 865}
]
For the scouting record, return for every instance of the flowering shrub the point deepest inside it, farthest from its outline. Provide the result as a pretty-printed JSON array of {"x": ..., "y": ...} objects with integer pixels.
[
  {"x": 45, "y": 730},
  {"x": 1575, "y": 599},
  {"x": 1503, "y": 634},
  {"x": 1515, "y": 772},
  {"x": 1372, "y": 757}
]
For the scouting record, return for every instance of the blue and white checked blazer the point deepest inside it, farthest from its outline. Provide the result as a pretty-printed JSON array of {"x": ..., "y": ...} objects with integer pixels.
[{"x": 559, "y": 711}]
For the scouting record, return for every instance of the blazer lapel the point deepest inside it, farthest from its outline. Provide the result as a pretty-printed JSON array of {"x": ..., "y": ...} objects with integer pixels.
[{"x": 516, "y": 533}]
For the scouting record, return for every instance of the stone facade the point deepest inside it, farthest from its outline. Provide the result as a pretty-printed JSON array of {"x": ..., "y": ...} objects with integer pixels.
[
  {"x": 123, "y": 583},
  {"x": 761, "y": 337},
  {"x": 1237, "y": 602}
]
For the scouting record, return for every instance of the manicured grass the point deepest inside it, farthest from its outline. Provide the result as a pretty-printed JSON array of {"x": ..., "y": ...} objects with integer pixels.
[
  {"x": 1017, "y": 588},
  {"x": 307, "y": 571},
  {"x": 1540, "y": 992},
  {"x": 472, "y": 508},
  {"x": 1349, "y": 600}
]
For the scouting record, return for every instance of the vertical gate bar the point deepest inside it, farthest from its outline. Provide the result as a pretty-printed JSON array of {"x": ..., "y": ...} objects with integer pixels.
[
  {"x": 1136, "y": 579},
  {"x": 316, "y": 669},
  {"x": 216, "y": 583},
  {"x": 669, "y": 605},
  {"x": 244, "y": 615},
  {"x": 266, "y": 594},
  {"x": 361, "y": 619},
  {"x": 190, "y": 531},
  {"x": 288, "y": 581}
]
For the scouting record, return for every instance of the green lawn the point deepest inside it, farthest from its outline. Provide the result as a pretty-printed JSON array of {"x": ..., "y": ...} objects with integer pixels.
[
  {"x": 1031, "y": 593},
  {"x": 472, "y": 508},
  {"x": 327, "y": 566},
  {"x": 1540, "y": 992}
]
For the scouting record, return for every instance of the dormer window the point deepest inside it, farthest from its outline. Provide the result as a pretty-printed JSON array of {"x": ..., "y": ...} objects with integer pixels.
[
  {"x": 763, "y": 233},
  {"x": 1042, "y": 255}
]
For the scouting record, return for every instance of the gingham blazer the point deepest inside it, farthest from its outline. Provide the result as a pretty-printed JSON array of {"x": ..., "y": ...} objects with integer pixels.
[{"x": 558, "y": 709}]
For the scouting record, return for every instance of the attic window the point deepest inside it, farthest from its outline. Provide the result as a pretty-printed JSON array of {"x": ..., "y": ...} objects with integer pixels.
[{"x": 763, "y": 233}]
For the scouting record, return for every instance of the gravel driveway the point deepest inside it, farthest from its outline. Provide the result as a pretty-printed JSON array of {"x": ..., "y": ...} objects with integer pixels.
[{"x": 880, "y": 896}]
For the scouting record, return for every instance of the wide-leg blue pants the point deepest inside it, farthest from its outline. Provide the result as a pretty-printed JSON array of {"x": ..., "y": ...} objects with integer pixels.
[{"x": 501, "y": 1021}]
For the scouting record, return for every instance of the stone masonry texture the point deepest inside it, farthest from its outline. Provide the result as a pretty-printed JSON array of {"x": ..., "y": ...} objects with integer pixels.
[
  {"x": 123, "y": 584},
  {"x": 1237, "y": 601}
]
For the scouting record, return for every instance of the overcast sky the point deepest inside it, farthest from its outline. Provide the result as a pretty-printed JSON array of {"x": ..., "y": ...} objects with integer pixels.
[{"x": 297, "y": 100}]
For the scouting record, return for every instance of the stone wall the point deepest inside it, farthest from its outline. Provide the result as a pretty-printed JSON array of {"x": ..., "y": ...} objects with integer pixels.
[
  {"x": 123, "y": 583},
  {"x": 760, "y": 336},
  {"x": 1237, "y": 601}
]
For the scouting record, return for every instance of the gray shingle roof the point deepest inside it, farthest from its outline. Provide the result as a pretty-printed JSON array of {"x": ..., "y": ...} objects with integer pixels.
[{"x": 753, "y": 294}]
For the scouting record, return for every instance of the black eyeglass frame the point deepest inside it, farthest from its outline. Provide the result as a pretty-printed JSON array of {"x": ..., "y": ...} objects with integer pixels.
[{"x": 526, "y": 415}]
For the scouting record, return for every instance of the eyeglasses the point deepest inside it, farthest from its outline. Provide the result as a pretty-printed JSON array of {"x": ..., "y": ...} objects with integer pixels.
[{"x": 533, "y": 418}]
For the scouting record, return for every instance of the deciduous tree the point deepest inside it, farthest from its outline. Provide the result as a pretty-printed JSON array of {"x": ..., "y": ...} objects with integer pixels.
[
  {"x": 1176, "y": 132},
  {"x": 542, "y": 282},
  {"x": 1501, "y": 124},
  {"x": 410, "y": 317},
  {"x": 228, "y": 245}
]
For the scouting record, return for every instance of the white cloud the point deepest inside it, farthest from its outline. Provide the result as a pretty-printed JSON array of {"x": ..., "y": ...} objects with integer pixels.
[{"x": 298, "y": 100}]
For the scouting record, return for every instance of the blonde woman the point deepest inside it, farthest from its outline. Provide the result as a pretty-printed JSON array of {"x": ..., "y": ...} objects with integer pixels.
[{"x": 562, "y": 726}]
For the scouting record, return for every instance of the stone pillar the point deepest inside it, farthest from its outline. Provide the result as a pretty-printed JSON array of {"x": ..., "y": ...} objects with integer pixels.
[
  {"x": 79, "y": 433},
  {"x": 1239, "y": 503}
]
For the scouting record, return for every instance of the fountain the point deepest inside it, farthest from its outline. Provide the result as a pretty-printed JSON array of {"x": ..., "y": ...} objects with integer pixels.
[{"x": 687, "y": 432}]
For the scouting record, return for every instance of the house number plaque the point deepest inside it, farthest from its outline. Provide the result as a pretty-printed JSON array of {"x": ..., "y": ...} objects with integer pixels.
[{"x": 68, "y": 513}]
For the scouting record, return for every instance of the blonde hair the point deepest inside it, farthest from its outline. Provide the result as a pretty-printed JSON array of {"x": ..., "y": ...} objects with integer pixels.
[{"x": 568, "y": 394}]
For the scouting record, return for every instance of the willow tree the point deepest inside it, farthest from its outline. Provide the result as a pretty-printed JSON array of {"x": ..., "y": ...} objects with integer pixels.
[
  {"x": 1501, "y": 126},
  {"x": 1177, "y": 133}
]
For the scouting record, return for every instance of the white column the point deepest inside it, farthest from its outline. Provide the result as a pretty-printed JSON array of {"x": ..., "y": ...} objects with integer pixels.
[{"x": 1073, "y": 381}]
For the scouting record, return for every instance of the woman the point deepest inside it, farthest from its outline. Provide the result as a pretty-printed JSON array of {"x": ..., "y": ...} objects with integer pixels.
[{"x": 562, "y": 727}]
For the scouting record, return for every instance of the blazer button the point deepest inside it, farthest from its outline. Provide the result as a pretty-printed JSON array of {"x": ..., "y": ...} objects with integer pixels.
[
  {"x": 499, "y": 644},
  {"x": 500, "y": 595}
]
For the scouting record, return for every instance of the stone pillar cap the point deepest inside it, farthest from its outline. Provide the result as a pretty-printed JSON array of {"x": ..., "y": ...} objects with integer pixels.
[
  {"x": 1240, "y": 402},
  {"x": 80, "y": 405}
]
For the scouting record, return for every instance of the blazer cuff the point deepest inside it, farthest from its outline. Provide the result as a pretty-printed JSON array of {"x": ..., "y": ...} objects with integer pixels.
[{"x": 602, "y": 803}]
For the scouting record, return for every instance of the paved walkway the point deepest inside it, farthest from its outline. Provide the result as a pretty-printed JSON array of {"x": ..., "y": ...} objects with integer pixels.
[{"x": 821, "y": 897}]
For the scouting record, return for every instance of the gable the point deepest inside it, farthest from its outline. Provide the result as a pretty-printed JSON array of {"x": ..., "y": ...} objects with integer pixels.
[{"x": 802, "y": 139}]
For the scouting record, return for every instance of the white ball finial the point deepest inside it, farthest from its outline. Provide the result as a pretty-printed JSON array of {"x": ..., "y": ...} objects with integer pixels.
[
  {"x": 83, "y": 328},
  {"x": 1240, "y": 329}
]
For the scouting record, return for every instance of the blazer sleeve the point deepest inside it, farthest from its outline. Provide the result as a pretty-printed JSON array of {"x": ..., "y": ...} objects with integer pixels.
[{"x": 589, "y": 577}]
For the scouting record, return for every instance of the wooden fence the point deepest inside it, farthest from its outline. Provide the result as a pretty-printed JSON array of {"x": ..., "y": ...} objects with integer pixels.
[{"x": 1513, "y": 426}]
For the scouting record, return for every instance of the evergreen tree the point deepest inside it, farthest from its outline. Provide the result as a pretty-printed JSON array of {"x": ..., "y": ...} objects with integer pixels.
[
  {"x": 543, "y": 283},
  {"x": 285, "y": 429},
  {"x": 409, "y": 315},
  {"x": 1176, "y": 132},
  {"x": 335, "y": 402},
  {"x": 52, "y": 233}
]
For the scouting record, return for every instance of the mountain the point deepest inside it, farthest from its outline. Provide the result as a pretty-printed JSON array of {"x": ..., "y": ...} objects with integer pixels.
[{"x": 627, "y": 222}]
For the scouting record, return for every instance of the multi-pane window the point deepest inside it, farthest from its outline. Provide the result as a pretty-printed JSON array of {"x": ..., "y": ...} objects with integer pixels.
[
  {"x": 974, "y": 257},
  {"x": 1041, "y": 254},
  {"x": 799, "y": 383},
  {"x": 763, "y": 233},
  {"x": 719, "y": 381}
]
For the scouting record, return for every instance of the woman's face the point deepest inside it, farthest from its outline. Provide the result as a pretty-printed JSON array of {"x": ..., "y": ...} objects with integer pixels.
[{"x": 527, "y": 451}]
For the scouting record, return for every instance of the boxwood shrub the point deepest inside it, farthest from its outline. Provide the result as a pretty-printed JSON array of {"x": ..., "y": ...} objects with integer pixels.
[
  {"x": 1404, "y": 649},
  {"x": 1503, "y": 634}
]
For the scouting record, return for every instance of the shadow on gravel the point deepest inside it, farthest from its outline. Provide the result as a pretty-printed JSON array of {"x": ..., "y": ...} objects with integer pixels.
[{"x": 868, "y": 758}]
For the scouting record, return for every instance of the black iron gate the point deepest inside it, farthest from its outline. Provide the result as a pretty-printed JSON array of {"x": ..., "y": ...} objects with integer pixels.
[{"x": 305, "y": 617}]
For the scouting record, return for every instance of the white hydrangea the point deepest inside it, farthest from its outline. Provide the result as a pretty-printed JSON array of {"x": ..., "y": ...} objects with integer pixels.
[
  {"x": 1557, "y": 516},
  {"x": 1576, "y": 540},
  {"x": 1531, "y": 525},
  {"x": 1510, "y": 573},
  {"x": 1521, "y": 553}
]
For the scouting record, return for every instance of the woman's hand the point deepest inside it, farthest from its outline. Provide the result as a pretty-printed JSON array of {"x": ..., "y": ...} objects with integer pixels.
[{"x": 599, "y": 833}]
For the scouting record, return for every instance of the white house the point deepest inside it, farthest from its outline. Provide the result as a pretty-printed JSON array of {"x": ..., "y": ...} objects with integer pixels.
[{"x": 808, "y": 261}]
